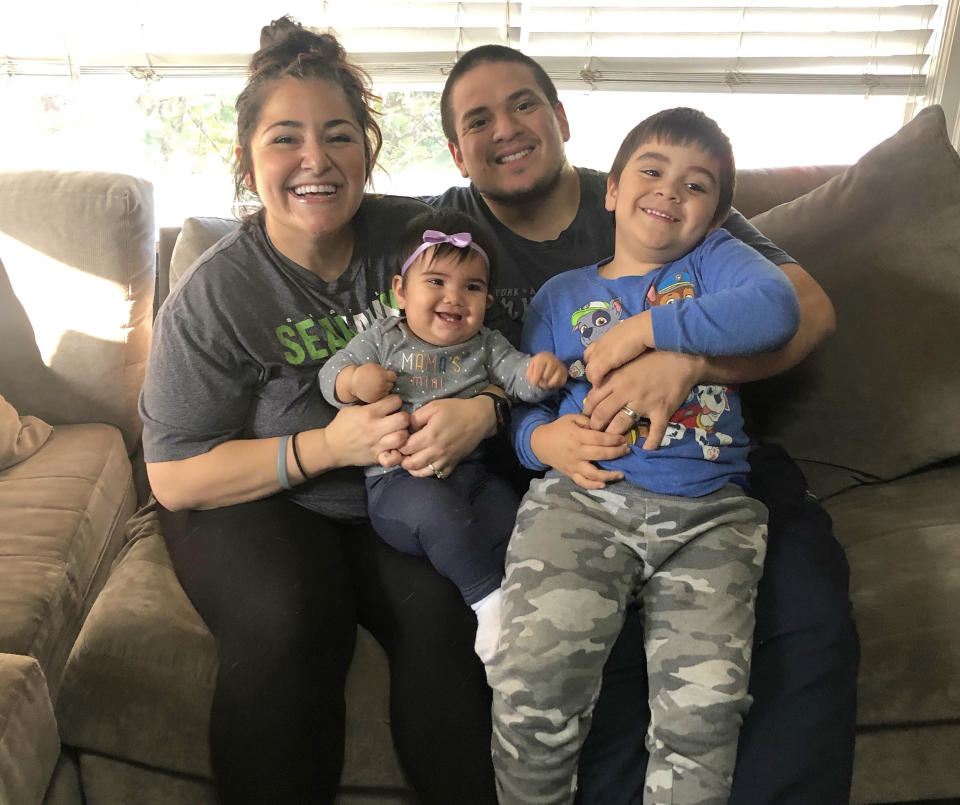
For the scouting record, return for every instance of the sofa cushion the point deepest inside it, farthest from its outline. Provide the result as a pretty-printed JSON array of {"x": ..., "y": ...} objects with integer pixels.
[
  {"x": 196, "y": 236},
  {"x": 916, "y": 764},
  {"x": 901, "y": 541},
  {"x": 79, "y": 251},
  {"x": 139, "y": 682},
  {"x": 63, "y": 514},
  {"x": 20, "y": 436},
  {"x": 881, "y": 238},
  {"x": 29, "y": 744}
]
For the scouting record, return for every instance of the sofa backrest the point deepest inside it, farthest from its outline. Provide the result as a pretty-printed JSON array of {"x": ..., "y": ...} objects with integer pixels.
[
  {"x": 760, "y": 189},
  {"x": 75, "y": 316},
  {"x": 757, "y": 190}
]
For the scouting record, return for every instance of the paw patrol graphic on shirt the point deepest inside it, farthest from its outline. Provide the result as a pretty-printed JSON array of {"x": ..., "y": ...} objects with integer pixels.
[
  {"x": 671, "y": 289},
  {"x": 705, "y": 405},
  {"x": 700, "y": 413},
  {"x": 596, "y": 318}
]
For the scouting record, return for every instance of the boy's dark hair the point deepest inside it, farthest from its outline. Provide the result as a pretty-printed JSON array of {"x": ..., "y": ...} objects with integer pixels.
[
  {"x": 683, "y": 126},
  {"x": 492, "y": 54},
  {"x": 450, "y": 222}
]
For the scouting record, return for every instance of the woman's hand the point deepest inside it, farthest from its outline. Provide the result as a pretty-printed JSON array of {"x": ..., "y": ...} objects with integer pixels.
[
  {"x": 628, "y": 340},
  {"x": 246, "y": 469},
  {"x": 358, "y": 435},
  {"x": 571, "y": 446},
  {"x": 654, "y": 385},
  {"x": 546, "y": 371},
  {"x": 444, "y": 432}
]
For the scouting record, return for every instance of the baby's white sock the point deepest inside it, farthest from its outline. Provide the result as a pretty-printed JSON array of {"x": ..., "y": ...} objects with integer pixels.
[{"x": 488, "y": 626}]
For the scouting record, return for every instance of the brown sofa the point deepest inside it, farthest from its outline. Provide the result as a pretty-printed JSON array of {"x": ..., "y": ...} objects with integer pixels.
[
  {"x": 869, "y": 417},
  {"x": 78, "y": 249}
]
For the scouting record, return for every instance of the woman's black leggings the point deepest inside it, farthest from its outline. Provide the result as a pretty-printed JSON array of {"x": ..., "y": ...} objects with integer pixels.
[{"x": 282, "y": 590}]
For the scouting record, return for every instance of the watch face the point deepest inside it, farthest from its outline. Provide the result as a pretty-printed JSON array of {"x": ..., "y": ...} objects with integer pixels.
[{"x": 503, "y": 410}]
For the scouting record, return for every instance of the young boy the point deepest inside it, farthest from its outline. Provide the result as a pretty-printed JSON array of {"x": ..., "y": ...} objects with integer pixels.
[
  {"x": 460, "y": 519},
  {"x": 670, "y": 527}
]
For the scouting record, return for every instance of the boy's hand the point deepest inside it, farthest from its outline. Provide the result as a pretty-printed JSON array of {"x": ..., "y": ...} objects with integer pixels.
[
  {"x": 569, "y": 445},
  {"x": 371, "y": 382},
  {"x": 546, "y": 371},
  {"x": 628, "y": 340}
]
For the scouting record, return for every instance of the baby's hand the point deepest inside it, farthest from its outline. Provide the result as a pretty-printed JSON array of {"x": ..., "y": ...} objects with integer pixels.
[
  {"x": 546, "y": 371},
  {"x": 371, "y": 382},
  {"x": 390, "y": 458}
]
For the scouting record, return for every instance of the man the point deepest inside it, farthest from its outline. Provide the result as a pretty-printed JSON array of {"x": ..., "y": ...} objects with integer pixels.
[{"x": 506, "y": 130}]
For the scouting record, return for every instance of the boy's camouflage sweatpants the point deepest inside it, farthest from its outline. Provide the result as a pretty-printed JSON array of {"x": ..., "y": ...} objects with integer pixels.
[{"x": 576, "y": 559}]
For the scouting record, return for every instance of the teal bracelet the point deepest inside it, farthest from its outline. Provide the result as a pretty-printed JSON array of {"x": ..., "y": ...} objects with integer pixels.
[{"x": 282, "y": 462}]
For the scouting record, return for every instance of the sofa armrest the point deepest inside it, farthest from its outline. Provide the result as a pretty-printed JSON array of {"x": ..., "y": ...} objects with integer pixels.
[
  {"x": 78, "y": 248},
  {"x": 29, "y": 745}
]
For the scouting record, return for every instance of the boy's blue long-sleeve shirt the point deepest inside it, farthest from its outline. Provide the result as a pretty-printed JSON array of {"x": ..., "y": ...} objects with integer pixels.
[{"x": 722, "y": 298}]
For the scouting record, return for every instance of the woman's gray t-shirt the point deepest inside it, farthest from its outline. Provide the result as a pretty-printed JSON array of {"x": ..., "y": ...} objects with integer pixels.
[{"x": 238, "y": 343}]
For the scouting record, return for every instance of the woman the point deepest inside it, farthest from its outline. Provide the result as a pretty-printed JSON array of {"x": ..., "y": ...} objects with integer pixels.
[{"x": 270, "y": 539}]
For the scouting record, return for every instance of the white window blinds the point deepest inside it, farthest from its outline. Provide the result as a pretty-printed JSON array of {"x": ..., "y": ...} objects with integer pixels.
[{"x": 856, "y": 46}]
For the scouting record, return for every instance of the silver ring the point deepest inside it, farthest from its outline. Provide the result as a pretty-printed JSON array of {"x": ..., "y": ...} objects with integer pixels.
[
  {"x": 436, "y": 472},
  {"x": 632, "y": 414}
]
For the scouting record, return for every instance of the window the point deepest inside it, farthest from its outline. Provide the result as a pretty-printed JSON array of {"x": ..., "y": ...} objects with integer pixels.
[{"x": 149, "y": 89}]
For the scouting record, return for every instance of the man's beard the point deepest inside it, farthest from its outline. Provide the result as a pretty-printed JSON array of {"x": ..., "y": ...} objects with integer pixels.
[{"x": 521, "y": 198}]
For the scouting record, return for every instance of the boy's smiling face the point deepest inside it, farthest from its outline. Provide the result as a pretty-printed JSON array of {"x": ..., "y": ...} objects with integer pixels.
[
  {"x": 664, "y": 201},
  {"x": 444, "y": 298}
]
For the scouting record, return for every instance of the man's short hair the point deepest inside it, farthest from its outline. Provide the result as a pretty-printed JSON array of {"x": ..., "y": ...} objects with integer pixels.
[
  {"x": 492, "y": 54},
  {"x": 683, "y": 126}
]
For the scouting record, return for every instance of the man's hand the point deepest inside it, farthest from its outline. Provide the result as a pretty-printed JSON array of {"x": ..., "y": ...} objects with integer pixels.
[
  {"x": 654, "y": 385},
  {"x": 444, "y": 432},
  {"x": 546, "y": 371},
  {"x": 628, "y": 340},
  {"x": 569, "y": 445},
  {"x": 371, "y": 382}
]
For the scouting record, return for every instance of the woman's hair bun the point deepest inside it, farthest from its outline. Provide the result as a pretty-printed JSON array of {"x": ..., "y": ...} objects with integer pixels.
[
  {"x": 278, "y": 30},
  {"x": 288, "y": 36}
]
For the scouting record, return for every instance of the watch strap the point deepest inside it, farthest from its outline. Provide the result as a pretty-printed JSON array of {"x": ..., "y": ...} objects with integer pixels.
[{"x": 501, "y": 409}]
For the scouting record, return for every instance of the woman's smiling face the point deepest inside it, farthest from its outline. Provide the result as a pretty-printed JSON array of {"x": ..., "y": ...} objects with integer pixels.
[{"x": 309, "y": 164}]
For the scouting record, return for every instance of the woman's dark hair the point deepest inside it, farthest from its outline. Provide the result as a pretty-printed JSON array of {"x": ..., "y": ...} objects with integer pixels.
[
  {"x": 682, "y": 126},
  {"x": 450, "y": 222},
  {"x": 288, "y": 50}
]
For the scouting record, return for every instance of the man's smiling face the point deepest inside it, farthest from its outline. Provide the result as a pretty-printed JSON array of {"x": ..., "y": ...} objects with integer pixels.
[{"x": 510, "y": 139}]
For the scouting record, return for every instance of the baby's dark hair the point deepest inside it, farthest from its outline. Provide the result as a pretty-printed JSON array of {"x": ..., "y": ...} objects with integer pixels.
[
  {"x": 287, "y": 49},
  {"x": 450, "y": 222},
  {"x": 683, "y": 126}
]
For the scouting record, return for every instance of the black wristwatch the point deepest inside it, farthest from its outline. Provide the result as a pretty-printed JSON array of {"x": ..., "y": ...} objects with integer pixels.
[{"x": 501, "y": 408}]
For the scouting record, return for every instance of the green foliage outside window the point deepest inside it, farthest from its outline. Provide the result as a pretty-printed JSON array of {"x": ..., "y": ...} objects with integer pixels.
[
  {"x": 411, "y": 130},
  {"x": 201, "y": 130}
]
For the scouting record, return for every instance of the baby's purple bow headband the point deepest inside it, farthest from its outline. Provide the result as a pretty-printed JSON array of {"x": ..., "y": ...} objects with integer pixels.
[{"x": 431, "y": 238}]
